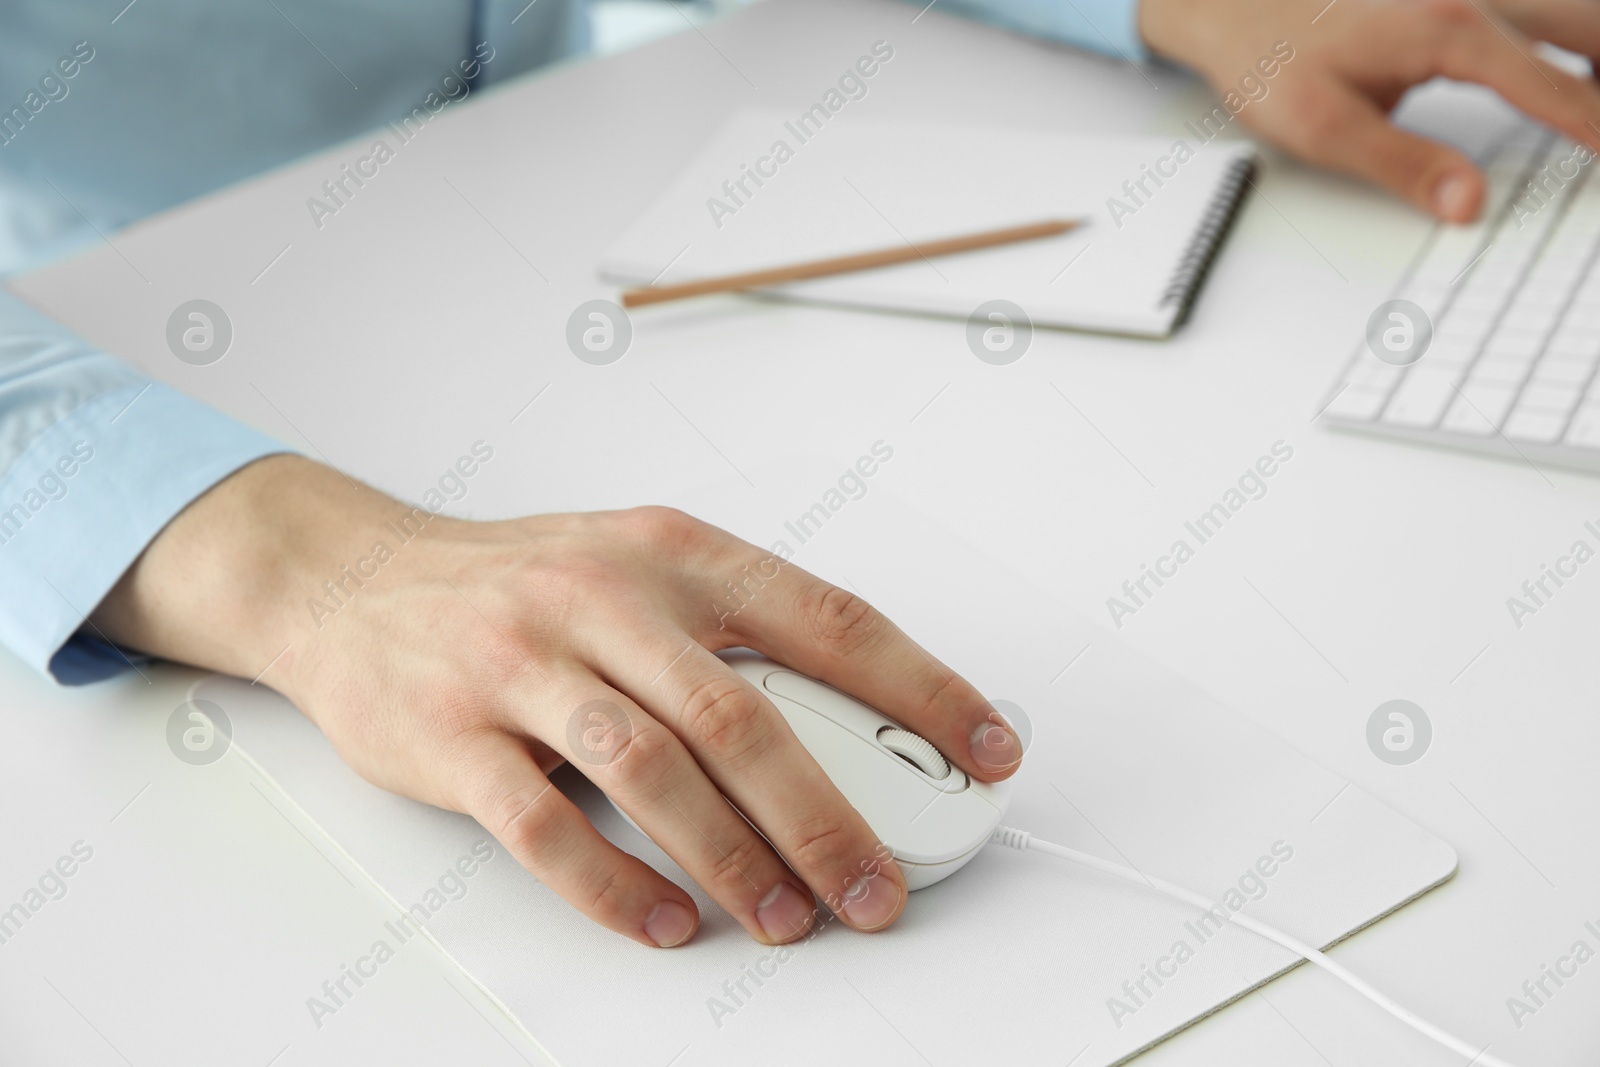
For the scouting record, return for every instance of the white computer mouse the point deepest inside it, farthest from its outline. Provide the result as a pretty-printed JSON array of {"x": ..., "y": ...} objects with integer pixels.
[{"x": 926, "y": 811}]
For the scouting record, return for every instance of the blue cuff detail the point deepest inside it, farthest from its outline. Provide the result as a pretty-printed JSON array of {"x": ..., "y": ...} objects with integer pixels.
[
  {"x": 86, "y": 658},
  {"x": 1107, "y": 26},
  {"x": 1119, "y": 21},
  {"x": 86, "y": 497}
]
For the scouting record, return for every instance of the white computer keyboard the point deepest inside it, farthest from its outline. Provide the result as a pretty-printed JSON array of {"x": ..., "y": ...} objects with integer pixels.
[{"x": 1509, "y": 324}]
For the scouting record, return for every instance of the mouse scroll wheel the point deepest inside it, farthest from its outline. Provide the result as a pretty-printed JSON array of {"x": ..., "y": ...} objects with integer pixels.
[{"x": 916, "y": 751}]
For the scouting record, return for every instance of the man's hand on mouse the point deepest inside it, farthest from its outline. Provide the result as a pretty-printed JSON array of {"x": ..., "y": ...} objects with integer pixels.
[
  {"x": 1354, "y": 59},
  {"x": 463, "y": 665}
]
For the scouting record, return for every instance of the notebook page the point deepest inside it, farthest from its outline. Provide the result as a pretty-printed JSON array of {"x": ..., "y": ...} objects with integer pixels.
[{"x": 856, "y": 184}]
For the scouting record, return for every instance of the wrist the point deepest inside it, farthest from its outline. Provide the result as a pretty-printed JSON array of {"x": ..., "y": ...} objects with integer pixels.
[{"x": 225, "y": 584}]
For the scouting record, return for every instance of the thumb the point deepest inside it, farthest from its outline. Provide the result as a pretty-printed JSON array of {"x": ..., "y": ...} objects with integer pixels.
[{"x": 1337, "y": 128}]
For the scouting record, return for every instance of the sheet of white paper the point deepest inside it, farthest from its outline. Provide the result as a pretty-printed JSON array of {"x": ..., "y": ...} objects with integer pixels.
[
  {"x": 1018, "y": 958},
  {"x": 859, "y": 185}
]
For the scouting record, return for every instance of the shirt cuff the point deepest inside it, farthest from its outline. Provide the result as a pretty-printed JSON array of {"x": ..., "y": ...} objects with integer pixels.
[
  {"x": 1118, "y": 20},
  {"x": 1107, "y": 26},
  {"x": 86, "y": 497}
]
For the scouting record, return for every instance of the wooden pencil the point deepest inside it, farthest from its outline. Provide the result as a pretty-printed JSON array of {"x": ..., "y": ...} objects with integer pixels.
[{"x": 822, "y": 268}]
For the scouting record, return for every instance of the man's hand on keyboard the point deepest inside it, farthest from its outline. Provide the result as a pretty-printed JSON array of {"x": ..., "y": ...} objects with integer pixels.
[{"x": 1353, "y": 61}]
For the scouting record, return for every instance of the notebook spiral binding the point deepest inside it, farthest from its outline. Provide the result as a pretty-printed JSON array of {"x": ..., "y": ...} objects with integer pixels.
[{"x": 1207, "y": 239}]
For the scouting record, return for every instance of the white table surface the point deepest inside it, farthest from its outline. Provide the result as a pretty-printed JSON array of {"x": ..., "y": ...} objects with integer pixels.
[{"x": 432, "y": 309}]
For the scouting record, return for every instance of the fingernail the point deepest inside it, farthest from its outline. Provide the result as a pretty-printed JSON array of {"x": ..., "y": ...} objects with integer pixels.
[
  {"x": 994, "y": 746},
  {"x": 871, "y": 901},
  {"x": 784, "y": 913},
  {"x": 1453, "y": 196},
  {"x": 669, "y": 924}
]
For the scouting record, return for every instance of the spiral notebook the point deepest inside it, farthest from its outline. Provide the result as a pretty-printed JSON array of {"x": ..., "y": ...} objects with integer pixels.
[{"x": 773, "y": 188}]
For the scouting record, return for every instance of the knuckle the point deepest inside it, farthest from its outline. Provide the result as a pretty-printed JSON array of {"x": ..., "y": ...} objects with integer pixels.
[
  {"x": 730, "y": 870},
  {"x": 1459, "y": 34},
  {"x": 822, "y": 842},
  {"x": 950, "y": 692},
  {"x": 588, "y": 585},
  {"x": 843, "y": 621},
  {"x": 664, "y": 527},
  {"x": 722, "y": 718},
  {"x": 458, "y": 715},
  {"x": 526, "y": 820},
  {"x": 1452, "y": 12},
  {"x": 608, "y": 896},
  {"x": 644, "y": 767},
  {"x": 578, "y": 577}
]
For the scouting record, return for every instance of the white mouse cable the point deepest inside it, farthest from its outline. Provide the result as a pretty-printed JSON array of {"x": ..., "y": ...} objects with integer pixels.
[{"x": 1022, "y": 840}]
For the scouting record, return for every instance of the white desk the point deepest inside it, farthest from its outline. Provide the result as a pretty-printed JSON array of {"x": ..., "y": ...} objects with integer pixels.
[{"x": 423, "y": 317}]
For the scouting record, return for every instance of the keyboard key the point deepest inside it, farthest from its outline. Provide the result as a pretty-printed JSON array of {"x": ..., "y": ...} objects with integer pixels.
[
  {"x": 1583, "y": 312},
  {"x": 1486, "y": 309},
  {"x": 1535, "y": 426},
  {"x": 1585, "y": 429},
  {"x": 1480, "y": 408},
  {"x": 1523, "y": 227},
  {"x": 1568, "y": 248},
  {"x": 1572, "y": 244},
  {"x": 1370, "y": 372},
  {"x": 1422, "y": 397},
  {"x": 1551, "y": 397},
  {"x": 1516, "y": 344},
  {"x": 1556, "y": 369},
  {"x": 1513, "y": 154},
  {"x": 1452, "y": 250},
  {"x": 1450, "y": 351},
  {"x": 1576, "y": 339},
  {"x": 1470, "y": 323},
  {"x": 1533, "y": 319},
  {"x": 1543, "y": 299},
  {"x": 1588, "y": 198},
  {"x": 1356, "y": 404},
  {"x": 1511, "y": 260},
  {"x": 1546, "y": 188},
  {"x": 1429, "y": 296},
  {"x": 1552, "y": 279},
  {"x": 1489, "y": 284},
  {"x": 1507, "y": 370}
]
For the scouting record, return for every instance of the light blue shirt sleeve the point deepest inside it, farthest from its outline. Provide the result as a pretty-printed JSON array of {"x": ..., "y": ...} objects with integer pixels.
[
  {"x": 1109, "y": 26},
  {"x": 95, "y": 460},
  {"x": 184, "y": 96}
]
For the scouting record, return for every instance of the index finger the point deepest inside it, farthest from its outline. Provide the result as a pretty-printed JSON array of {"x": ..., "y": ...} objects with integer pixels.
[
  {"x": 1573, "y": 25},
  {"x": 1479, "y": 48},
  {"x": 836, "y": 636}
]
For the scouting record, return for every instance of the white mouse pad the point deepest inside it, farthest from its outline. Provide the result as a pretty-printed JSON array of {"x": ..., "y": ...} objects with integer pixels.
[{"x": 1017, "y": 958}]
